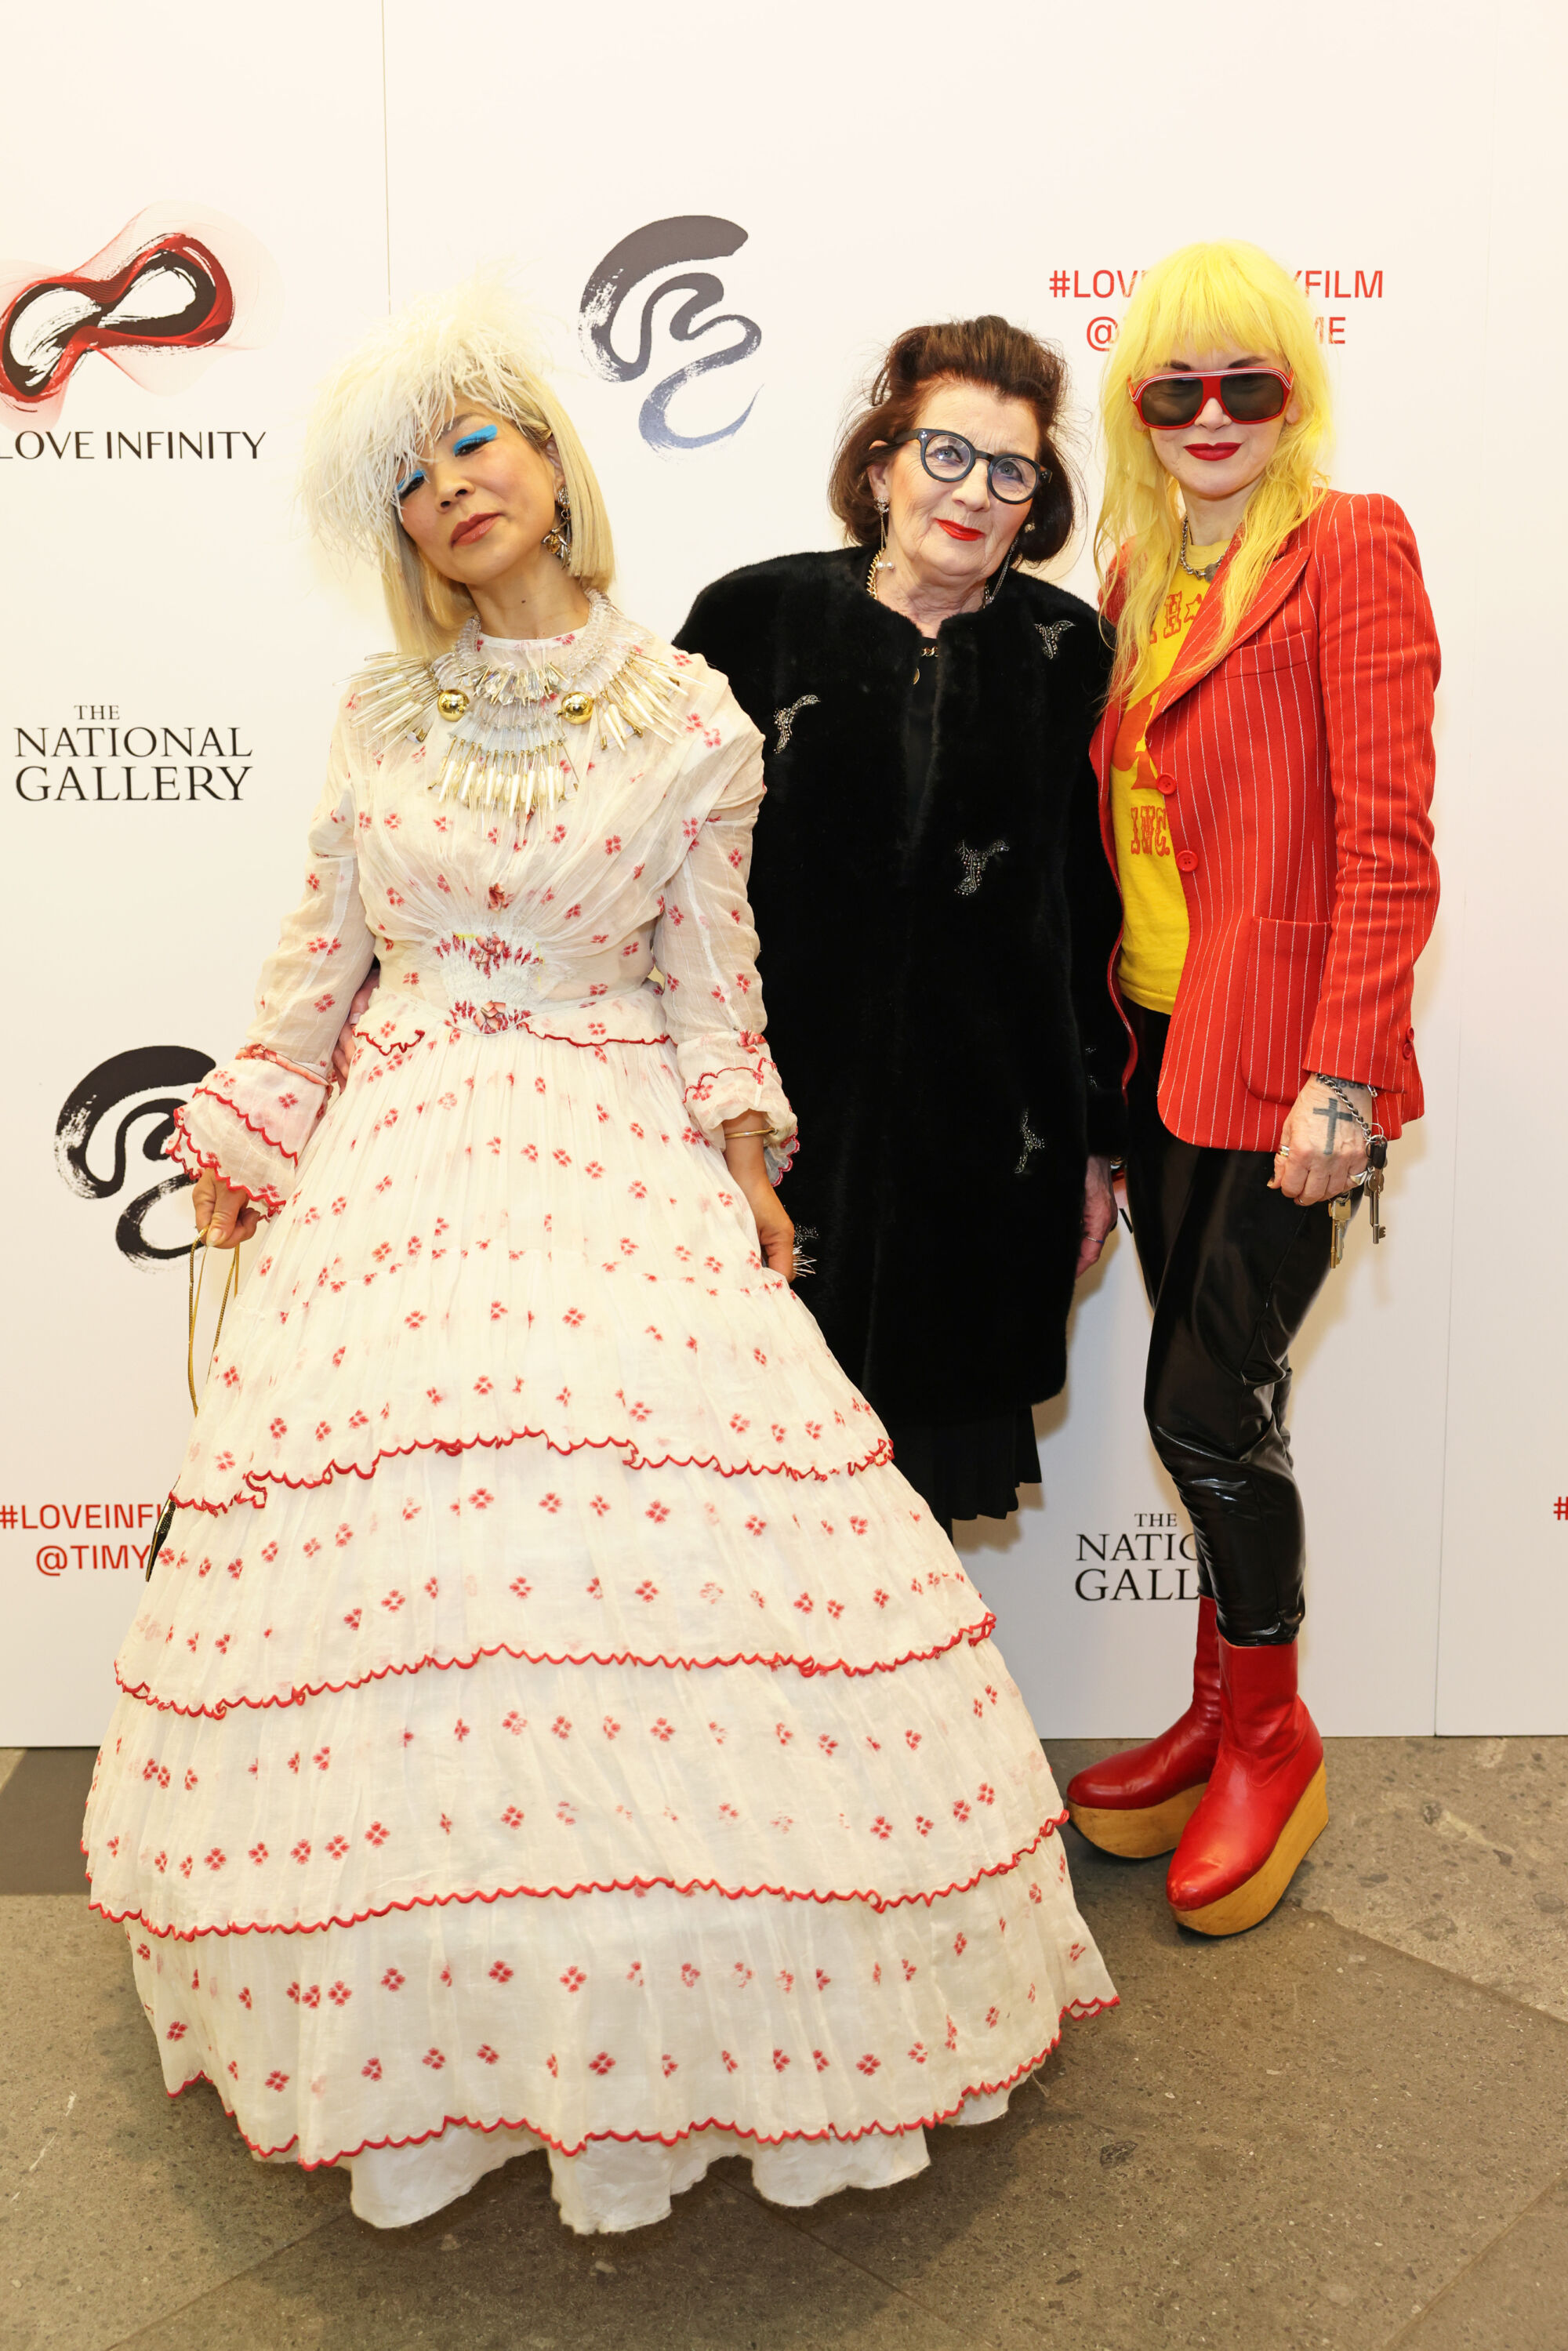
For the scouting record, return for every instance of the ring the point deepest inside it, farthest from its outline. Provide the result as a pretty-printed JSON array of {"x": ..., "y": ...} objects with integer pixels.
[{"x": 1283, "y": 1152}]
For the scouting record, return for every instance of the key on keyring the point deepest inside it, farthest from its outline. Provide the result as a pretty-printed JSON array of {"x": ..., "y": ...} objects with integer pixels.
[
  {"x": 1340, "y": 1208},
  {"x": 1376, "y": 1161}
]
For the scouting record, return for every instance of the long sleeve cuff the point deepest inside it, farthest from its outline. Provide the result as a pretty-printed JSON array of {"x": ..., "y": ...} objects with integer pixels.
[
  {"x": 249, "y": 1123},
  {"x": 1106, "y": 1116},
  {"x": 729, "y": 1074}
]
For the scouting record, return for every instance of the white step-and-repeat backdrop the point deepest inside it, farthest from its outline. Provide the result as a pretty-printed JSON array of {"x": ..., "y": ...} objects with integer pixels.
[{"x": 722, "y": 216}]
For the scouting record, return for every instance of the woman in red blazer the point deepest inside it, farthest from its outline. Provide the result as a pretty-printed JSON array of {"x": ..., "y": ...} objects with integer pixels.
[{"x": 1265, "y": 764}]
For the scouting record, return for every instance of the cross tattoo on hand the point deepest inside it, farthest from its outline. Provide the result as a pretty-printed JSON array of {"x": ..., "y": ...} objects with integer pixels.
[{"x": 1335, "y": 1111}]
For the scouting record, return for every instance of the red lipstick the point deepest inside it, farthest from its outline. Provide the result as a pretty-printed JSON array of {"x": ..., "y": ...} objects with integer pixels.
[
  {"x": 1212, "y": 451},
  {"x": 473, "y": 528},
  {"x": 958, "y": 530}
]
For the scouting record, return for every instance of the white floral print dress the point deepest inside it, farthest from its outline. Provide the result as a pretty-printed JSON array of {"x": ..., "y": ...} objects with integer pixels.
[{"x": 552, "y": 1720}]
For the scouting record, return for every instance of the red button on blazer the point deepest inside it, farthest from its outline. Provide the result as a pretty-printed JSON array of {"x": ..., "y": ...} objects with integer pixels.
[{"x": 1306, "y": 766}]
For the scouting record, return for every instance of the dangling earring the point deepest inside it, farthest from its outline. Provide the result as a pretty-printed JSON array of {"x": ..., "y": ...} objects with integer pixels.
[
  {"x": 558, "y": 539},
  {"x": 881, "y": 560}
]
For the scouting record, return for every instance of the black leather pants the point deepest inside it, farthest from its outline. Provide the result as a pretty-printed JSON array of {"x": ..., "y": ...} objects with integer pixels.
[{"x": 1230, "y": 1269}]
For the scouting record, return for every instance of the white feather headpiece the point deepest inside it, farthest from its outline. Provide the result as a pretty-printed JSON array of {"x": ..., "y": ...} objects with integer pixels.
[{"x": 381, "y": 406}]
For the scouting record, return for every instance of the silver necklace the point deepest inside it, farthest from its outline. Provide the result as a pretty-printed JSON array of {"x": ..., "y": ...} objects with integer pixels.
[
  {"x": 928, "y": 652},
  {"x": 1208, "y": 570}
]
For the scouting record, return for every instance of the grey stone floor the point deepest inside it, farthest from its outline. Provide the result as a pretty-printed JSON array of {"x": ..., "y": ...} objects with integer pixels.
[{"x": 1347, "y": 2131}]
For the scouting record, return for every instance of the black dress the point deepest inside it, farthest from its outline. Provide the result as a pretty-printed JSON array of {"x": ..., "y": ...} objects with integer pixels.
[
  {"x": 965, "y": 1468},
  {"x": 937, "y": 917}
]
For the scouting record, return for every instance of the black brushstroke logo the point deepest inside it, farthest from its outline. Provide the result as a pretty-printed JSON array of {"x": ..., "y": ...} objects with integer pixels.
[
  {"x": 137, "y": 1084},
  {"x": 665, "y": 244}
]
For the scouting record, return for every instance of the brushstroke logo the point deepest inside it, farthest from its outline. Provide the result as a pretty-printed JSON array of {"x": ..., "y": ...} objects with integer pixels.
[
  {"x": 158, "y": 301},
  {"x": 151, "y": 1082},
  {"x": 668, "y": 245}
]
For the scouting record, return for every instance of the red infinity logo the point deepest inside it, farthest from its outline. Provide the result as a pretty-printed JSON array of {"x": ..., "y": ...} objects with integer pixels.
[
  {"x": 158, "y": 300},
  {"x": 172, "y": 294}
]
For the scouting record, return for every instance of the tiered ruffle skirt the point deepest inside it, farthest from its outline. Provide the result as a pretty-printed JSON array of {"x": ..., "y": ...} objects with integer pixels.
[{"x": 552, "y": 1719}]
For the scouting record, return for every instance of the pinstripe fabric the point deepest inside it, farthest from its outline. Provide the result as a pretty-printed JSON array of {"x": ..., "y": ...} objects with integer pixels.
[{"x": 1298, "y": 774}]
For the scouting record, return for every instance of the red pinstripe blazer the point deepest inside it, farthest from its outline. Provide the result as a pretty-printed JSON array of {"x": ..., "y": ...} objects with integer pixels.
[{"x": 1298, "y": 779}]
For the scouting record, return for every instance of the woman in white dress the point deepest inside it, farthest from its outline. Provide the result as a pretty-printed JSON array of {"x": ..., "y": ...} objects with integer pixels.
[{"x": 551, "y": 1721}]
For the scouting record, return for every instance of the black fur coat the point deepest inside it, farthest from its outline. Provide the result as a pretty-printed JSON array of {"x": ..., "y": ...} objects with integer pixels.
[{"x": 934, "y": 967}]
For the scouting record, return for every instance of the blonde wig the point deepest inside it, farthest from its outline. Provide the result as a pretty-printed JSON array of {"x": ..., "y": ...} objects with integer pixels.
[
  {"x": 385, "y": 404},
  {"x": 1203, "y": 297}
]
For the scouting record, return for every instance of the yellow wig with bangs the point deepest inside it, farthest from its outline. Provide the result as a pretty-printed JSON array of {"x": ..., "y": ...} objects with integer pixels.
[{"x": 1225, "y": 295}]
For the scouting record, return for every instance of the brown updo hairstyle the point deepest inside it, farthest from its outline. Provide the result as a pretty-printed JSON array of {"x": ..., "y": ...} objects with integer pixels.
[{"x": 988, "y": 352}]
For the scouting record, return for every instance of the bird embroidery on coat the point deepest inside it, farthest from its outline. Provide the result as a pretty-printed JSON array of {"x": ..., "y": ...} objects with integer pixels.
[
  {"x": 785, "y": 719},
  {"x": 1050, "y": 635},
  {"x": 975, "y": 862},
  {"x": 1031, "y": 1143}
]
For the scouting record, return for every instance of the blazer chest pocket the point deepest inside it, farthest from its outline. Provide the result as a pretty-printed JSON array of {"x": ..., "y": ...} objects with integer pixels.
[
  {"x": 1285, "y": 977},
  {"x": 1290, "y": 650}
]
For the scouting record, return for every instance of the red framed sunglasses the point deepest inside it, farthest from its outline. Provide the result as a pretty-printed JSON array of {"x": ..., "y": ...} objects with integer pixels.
[{"x": 1252, "y": 395}]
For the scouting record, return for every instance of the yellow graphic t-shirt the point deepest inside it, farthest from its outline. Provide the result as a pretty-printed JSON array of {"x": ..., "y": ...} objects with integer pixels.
[{"x": 1154, "y": 939}]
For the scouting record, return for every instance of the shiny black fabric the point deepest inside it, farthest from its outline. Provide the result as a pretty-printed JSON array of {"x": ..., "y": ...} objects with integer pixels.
[{"x": 1230, "y": 1269}]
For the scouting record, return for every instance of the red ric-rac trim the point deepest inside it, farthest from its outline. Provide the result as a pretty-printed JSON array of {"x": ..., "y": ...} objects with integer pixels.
[
  {"x": 1079, "y": 2009},
  {"x": 254, "y": 1125},
  {"x": 388, "y": 1052},
  {"x": 879, "y": 1457},
  {"x": 581, "y": 1044},
  {"x": 867, "y": 1895},
  {"x": 808, "y": 1667},
  {"x": 518, "y": 1020},
  {"x": 179, "y": 1146}
]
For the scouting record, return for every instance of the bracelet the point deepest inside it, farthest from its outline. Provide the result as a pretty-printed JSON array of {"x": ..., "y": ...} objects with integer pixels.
[{"x": 746, "y": 1133}]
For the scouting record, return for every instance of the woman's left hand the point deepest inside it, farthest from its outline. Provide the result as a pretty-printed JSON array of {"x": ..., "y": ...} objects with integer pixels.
[
  {"x": 1099, "y": 1213},
  {"x": 744, "y": 1158},
  {"x": 1322, "y": 1150}
]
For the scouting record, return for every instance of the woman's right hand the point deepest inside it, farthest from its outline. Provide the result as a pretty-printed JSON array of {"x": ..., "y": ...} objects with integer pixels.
[
  {"x": 1100, "y": 1213},
  {"x": 225, "y": 1217}
]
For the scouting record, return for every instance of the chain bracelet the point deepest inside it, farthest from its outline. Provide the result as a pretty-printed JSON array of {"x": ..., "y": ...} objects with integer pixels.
[{"x": 1340, "y": 1089}]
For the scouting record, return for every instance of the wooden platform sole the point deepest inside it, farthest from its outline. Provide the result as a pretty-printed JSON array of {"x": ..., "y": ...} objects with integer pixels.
[
  {"x": 1253, "y": 1900},
  {"x": 1137, "y": 1836}
]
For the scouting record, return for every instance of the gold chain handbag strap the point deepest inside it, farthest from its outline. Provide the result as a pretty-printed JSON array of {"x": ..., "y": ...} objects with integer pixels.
[
  {"x": 193, "y": 1274},
  {"x": 193, "y": 1293}
]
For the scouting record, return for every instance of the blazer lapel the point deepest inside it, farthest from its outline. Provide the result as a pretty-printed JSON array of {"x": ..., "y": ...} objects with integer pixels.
[
  {"x": 1198, "y": 656},
  {"x": 1200, "y": 653}
]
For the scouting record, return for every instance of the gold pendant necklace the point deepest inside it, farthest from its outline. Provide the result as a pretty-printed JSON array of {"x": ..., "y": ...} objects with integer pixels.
[{"x": 508, "y": 719}]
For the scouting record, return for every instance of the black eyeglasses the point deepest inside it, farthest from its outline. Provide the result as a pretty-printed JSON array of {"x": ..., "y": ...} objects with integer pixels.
[{"x": 949, "y": 458}]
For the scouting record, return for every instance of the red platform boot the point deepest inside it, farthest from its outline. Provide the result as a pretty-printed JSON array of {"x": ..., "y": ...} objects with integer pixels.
[
  {"x": 1138, "y": 1803},
  {"x": 1266, "y": 1802}
]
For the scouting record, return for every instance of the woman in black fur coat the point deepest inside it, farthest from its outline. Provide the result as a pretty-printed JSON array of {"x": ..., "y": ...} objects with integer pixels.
[{"x": 935, "y": 910}]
